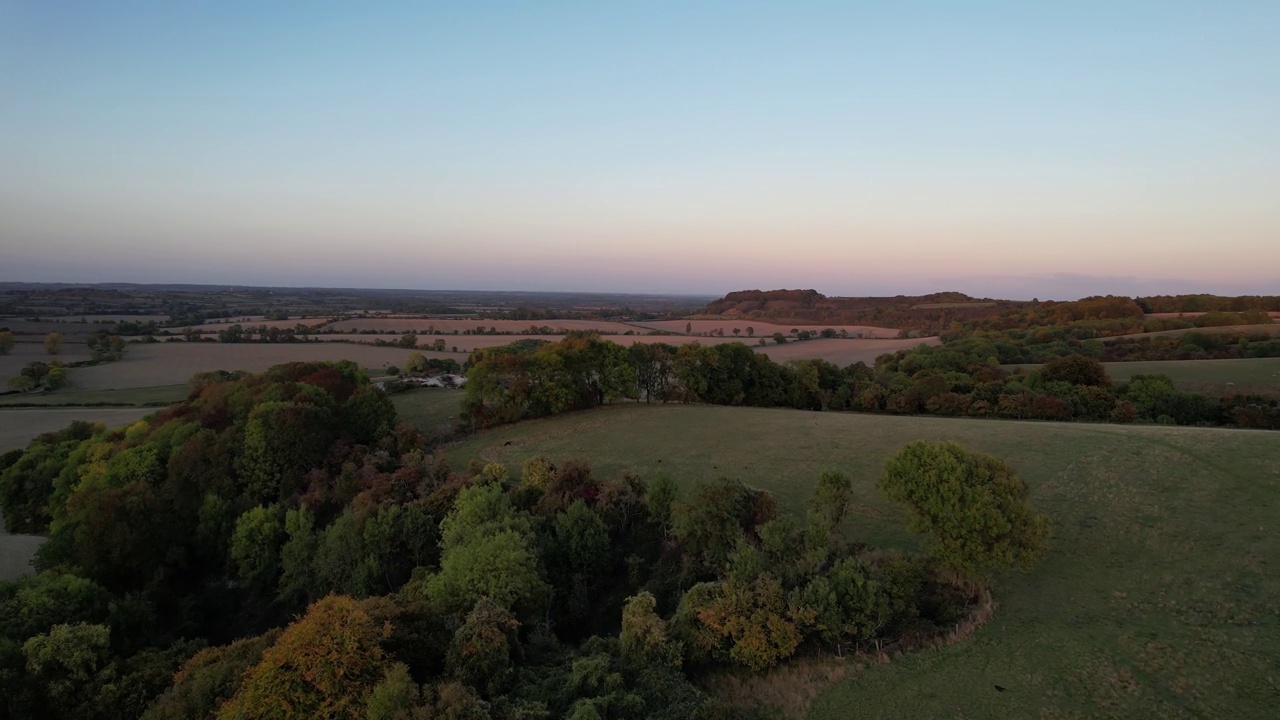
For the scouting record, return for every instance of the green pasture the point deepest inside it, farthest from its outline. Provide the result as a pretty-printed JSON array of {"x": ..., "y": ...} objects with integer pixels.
[
  {"x": 429, "y": 409},
  {"x": 1160, "y": 597}
]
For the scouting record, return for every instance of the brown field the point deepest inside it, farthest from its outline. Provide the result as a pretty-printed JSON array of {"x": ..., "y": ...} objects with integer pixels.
[
  {"x": 469, "y": 343},
  {"x": 762, "y": 329},
  {"x": 174, "y": 363},
  {"x": 448, "y": 325},
  {"x": 41, "y": 327},
  {"x": 32, "y": 349},
  {"x": 18, "y": 426},
  {"x": 842, "y": 352},
  {"x": 1272, "y": 330}
]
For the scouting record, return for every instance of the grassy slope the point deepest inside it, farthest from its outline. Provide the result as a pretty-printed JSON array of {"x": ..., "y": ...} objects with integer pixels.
[{"x": 1159, "y": 597}]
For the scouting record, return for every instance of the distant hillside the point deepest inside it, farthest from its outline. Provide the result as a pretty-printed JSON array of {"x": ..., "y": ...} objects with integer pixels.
[{"x": 930, "y": 313}]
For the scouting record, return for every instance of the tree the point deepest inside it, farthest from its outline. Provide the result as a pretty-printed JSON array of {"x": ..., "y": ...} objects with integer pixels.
[
  {"x": 53, "y": 343},
  {"x": 323, "y": 666},
  {"x": 752, "y": 623},
  {"x": 751, "y": 331},
  {"x": 481, "y": 649},
  {"x": 831, "y": 499},
  {"x": 22, "y": 383},
  {"x": 644, "y": 637},
  {"x": 688, "y": 328},
  {"x": 971, "y": 507},
  {"x": 64, "y": 663},
  {"x": 6, "y": 342},
  {"x": 1077, "y": 370}
]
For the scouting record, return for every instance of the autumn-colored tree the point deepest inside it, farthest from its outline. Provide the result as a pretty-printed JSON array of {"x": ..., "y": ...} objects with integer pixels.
[
  {"x": 53, "y": 343},
  {"x": 6, "y": 342},
  {"x": 971, "y": 507},
  {"x": 645, "y": 638},
  {"x": 480, "y": 654},
  {"x": 537, "y": 472},
  {"x": 753, "y": 622},
  {"x": 323, "y": 666}
]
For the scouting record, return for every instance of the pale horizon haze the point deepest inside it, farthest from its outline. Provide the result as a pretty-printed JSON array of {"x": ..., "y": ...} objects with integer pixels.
[{"x": 1051, "y": 150}]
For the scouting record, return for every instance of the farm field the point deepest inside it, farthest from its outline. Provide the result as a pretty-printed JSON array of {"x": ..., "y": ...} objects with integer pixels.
[
  {"x": 1158, "y": 597},
  {"x": 842, "y": 352},
  {"x": 761, "y": 328},
  {"x": 25, "y": 352},
  {"x": 448, "y": 325},
  {"x": 1210, "y": 377},
  {"x": 18, "y": 426},
  {"x": 143, "y": 396},
  {"x": 149, "y": 365}
]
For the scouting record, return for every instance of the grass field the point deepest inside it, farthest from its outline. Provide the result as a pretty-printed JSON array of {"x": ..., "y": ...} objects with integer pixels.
[
  {"x": 1159, "y": 598},
  {"x": 430, "y": 409},
  {"x": 1212, "y": 377}
]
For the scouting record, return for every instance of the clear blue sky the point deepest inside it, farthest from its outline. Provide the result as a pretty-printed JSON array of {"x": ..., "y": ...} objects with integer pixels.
[{"x": 1010, "y": 149}]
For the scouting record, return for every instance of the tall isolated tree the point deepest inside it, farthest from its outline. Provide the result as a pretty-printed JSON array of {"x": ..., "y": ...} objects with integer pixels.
[
  {"x": 6, "y": 342},
  {"x": 971, "y": 507},
  {"x": 53, "y": 343}
]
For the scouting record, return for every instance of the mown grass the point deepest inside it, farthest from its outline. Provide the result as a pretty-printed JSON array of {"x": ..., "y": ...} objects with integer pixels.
[{"x": 1159, "y": 596}]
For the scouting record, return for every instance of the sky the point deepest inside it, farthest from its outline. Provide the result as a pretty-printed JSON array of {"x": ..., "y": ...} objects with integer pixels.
[{"x": 1018, "y": 149}]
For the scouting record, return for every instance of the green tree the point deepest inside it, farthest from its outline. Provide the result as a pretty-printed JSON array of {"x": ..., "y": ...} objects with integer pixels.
[
  {"x": 255, "y": 549},
  {"x": 645, "y": 638},
  {"x": 972, "y": 508},
  {"x": 480, "y": 654},
  {"x": 64, "y": 663},
  {"x": 53, "y": 343},
  {"x": 395, "y": 697},
  {"x": 6, "y": 342},
  {"x": 832, "y": 499},
  {"x": 22, "y": 383},
  {"x": 1077, "y": 370}
]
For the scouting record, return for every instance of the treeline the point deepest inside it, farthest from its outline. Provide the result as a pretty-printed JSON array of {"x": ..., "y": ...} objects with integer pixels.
[
  {"x": 1208, "y": 303},
  {"x": 278, "y": 547},
  {"x": 959, "y": 379},
  {"x": 1028, "y": 348}
]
